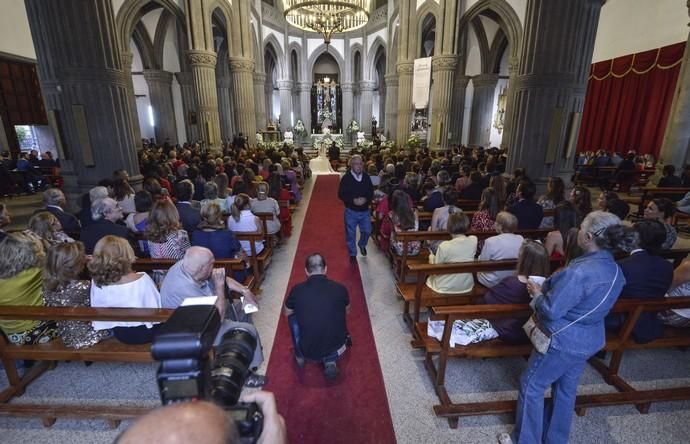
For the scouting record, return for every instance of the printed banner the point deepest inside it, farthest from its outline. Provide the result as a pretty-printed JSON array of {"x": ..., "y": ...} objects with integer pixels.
[{"x": 421, "y": 83}]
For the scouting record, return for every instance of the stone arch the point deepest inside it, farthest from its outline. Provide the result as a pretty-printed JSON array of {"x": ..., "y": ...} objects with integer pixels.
[
  {"x": 355, "y": 49},
  {"x": 259, "y": 61},
  {"x": 371, "y": 57},
  {"x": 427, "y": 9},
  {"x": 483, "y": 42},
  {"x": 499, "y": 11},
  {"x": 498, "y": 48},
  {"x": 272, "y": 41},
  {"x": 143, "y": 43},
  {"x": 295, "y": 48},
  {"x": 322, "y": 48},
  {"x": 132, "y": 11},
  {"x": 221, "y": 10}
]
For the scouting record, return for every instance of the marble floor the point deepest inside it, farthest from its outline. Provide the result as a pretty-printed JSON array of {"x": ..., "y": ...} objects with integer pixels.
[{"x": 408, "y": 387}]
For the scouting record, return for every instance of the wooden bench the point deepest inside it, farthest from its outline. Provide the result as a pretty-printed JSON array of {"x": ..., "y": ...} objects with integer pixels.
[
  {"x": 265, "y": 217},
  {"x": 400, "y": 261},
  {"x": 109, "y": 350},
  {"x": 261, "y": 261},
  {"x": 649, "y": 193},
  {"x": 616, "y": 342}
]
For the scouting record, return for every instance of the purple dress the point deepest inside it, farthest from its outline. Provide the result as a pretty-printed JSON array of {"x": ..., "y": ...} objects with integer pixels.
[{"x": 509, "y": 291}]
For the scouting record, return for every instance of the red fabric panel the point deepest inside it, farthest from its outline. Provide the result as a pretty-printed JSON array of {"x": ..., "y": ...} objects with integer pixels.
[{"x": 625, "y": 110}]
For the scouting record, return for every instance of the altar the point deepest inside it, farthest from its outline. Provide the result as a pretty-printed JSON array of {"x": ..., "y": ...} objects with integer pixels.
[{"x": 318, "y": 139}]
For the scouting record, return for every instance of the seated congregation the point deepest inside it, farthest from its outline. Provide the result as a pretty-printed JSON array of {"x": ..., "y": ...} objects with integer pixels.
[{"x": 465, "y": 233}]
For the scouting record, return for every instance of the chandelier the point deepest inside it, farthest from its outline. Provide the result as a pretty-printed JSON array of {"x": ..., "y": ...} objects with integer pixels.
[{"x": 327, "y": 17}]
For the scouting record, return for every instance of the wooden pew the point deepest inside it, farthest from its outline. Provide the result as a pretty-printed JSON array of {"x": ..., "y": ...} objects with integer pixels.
[
  {"x": 400, "y": 261},
  {"x": 109, "y": 350},
  {"x": 617, "y": 342},
  {"x": 265, "y": 217},
  {"x": 649, "y": 193},
  {"x": 261, "y": 261}
]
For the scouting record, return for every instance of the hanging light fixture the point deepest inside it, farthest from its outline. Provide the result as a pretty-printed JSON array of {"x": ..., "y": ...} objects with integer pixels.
[{"x": 327, "y": 17}]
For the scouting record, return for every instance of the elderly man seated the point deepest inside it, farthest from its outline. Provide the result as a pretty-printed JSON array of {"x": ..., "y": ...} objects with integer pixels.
[
  {"x": 194, "y": 276},
  {"x": 106, "y": 214},
  {"x": 54, "y": 200}
]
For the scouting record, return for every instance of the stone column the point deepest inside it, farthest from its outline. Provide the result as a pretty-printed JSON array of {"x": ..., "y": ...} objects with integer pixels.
[
  {"x": 304, "y": 89},
  {"x": 507, "y": 119},
  {"x": 676, "y": 146},
  {"x": 260, "y": 100},
  {"x": 225, "y": 108},
  {"x": 482, "y": 109},
  {"x": 405, "y": 110},
  {"x": 443, "y": 69},
  {"x": 242, "y": 70},
  {"x": 285, "y": 88},
  {"x": 203, "y": 66},
  {"x": 458, "y": 111},
  {"x": 188, "y": 104},
  {"x": 127, "y": 58},
  {"x": 348, "y": 108},
  {"x": 85, "y": 83},
  {"x": 160, "y": 94},
  {"x": 391, "y": 104},
  {"x": 549, "y": 88},
  {"x": 366, "y": 89}
]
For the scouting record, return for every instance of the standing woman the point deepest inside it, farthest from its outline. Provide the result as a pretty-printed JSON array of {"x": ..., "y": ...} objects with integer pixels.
[{"x": 571, "y": 306}]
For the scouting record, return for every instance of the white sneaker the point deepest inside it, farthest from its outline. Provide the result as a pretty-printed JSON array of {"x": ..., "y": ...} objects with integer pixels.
[{"x": 504, "y": 438}]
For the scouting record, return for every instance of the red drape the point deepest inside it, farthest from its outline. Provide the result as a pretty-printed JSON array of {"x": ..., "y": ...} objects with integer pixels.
[{"x": 628, "y": 101}]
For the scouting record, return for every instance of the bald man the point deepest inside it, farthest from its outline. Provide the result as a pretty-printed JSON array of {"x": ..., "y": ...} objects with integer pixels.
[{"x": 194, "y": 276}]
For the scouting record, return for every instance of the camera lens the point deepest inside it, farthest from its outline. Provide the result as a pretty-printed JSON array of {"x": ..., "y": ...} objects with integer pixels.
[{"x": 231, "y": 366}]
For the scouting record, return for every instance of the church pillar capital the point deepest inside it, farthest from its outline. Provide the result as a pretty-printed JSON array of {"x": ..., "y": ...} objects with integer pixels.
[{"x": 200, "y": 57}]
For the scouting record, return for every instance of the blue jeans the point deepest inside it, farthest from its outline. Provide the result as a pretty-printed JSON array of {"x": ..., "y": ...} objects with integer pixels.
[
  {"x": 294, "y": 330},
  {"x": 352, "y": 220},
  {"x": 534, "y": 423}
]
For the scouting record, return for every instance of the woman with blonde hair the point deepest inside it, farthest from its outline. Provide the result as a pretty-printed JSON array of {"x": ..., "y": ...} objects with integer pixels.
[
  {"x": 62, "y": 288},
  {"x": 242, "y": 220},
  {"x": 46, "y": 227},
  {"x": 21, "y": 283},
  {"x": 114, "y": 284},
  {"x": 166, "y": 238},
  {"x": 265, "y": 204}
]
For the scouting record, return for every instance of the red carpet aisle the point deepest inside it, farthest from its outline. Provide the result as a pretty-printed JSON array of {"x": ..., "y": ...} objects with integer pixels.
[{"x": 354, "y": 407}]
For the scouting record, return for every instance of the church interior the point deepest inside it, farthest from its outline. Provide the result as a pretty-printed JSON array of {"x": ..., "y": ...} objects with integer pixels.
[{"x": 159, "y": 104}]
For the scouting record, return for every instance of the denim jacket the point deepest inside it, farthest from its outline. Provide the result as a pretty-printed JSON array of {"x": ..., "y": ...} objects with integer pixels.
[{"x": 573, "y": 292}]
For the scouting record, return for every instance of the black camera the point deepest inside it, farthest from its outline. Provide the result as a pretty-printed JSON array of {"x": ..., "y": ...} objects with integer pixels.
[{"x": 202, "y": 358}]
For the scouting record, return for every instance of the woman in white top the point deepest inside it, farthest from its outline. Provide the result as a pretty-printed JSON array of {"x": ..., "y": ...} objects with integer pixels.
[
  {"x": 114, "y": 284},
  {"x": 242, "y": 220},
  {"x": 123, "y": 193},
  {"x": 265, "y": 204},
  {"x": 459, "y": 249},
  {"x": 506, "y": 245}
]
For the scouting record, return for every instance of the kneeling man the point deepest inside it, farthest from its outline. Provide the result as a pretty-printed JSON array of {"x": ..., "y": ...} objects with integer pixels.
[{"x": 316, "y": 312}]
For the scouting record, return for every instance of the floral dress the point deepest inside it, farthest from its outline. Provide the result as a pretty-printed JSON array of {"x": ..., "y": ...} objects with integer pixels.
[
  {"x": 481, "y": 221},
  {"x": 413, "y": 247}
]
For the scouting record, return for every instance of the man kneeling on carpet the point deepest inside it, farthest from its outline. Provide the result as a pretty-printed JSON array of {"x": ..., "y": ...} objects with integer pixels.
[
  {"x": 316, "y": 312},
  {"x": 194, "y": 276}
]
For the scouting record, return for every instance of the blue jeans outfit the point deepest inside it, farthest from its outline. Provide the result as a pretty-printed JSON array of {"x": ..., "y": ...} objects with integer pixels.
[
  {"x": 352, "y": 220},
  {"x": 534, "y": 423},
  {"x": 294, "y": 330}
]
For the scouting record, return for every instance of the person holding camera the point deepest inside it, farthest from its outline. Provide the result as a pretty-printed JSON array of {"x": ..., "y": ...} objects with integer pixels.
[
  {"x": 194, "y": 276},
  {"x": 204, "y": 422},
  {"x": 316, "y": 312}
]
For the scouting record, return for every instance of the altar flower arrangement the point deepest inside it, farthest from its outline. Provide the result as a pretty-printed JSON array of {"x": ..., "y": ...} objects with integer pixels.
[
  {"x": 414, "y": 142},
  {"x": 366, "y": 145},
  {"x": 353, "y": 127},
  {"x": 299, "y": 129}
]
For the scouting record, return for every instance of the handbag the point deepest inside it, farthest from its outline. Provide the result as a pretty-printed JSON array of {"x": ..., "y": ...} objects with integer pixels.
[{"x": 540, "y": 337}]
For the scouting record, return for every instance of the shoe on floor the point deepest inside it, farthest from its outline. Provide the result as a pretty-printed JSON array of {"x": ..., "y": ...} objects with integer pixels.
[
  {"x": 330, "y": 369},
  {"x": 299, "y": 360},
  {"x": 255, "y": 381},
  {"x": 504, "y": 438},
  {"x": 363, "y": 250},
  {"x": 353, "y": 260}
]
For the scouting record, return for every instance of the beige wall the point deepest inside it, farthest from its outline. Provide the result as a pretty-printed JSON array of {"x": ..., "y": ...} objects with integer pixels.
[
  {"x": 630, "y": 26},
  {"x": 15, "y": 35}
]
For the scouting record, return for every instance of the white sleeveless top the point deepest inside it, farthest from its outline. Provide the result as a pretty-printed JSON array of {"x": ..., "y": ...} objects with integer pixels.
[{"x": 246, "y": 224}]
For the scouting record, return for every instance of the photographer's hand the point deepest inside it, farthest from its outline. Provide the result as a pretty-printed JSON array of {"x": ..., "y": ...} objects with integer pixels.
[{"x": 274, "y": 431}]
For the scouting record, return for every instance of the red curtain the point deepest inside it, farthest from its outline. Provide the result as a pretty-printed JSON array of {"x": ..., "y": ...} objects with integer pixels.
[{"x": 628, "y": 101}]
